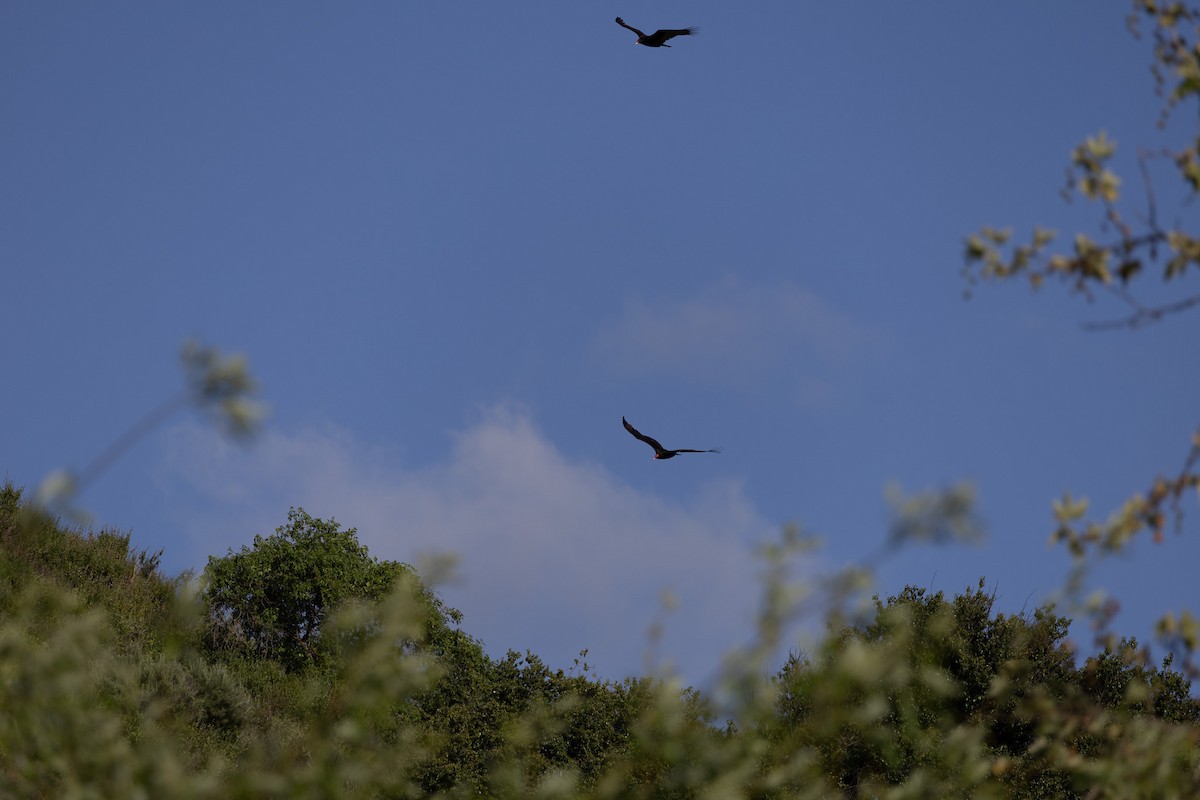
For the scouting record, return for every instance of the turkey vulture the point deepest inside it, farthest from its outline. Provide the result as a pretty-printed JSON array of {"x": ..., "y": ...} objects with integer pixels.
[
  {"x": 660, "y": 451},
  {"x": 658, "y": 39}
]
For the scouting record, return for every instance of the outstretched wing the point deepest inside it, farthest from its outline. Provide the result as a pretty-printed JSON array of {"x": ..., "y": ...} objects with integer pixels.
[
  {"x": 658, "y": 448},
  {"x": 663, "y": 35},
  {"x": 714, "y": 450},
  {"x": 621, "y": 22}
]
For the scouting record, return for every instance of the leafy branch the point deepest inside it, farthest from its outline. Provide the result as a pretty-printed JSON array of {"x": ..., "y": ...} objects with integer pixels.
[
  {"x": 1123, "y": 251},
  {"x": 1091, "y": 264},
  {"x": 1111, "y": 265},
  {"x": 1091, "y": 541},
  {"x": 219, "y": 386}
]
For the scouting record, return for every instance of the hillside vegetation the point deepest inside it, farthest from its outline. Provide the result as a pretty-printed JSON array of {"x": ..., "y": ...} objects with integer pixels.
[{"x": 301, "y": 666}]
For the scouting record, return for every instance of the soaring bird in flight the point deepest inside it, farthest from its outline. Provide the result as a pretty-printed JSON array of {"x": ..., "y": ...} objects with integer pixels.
[
  {"x": 658, "y": 39},
  {"x": 660, "y": 451}
]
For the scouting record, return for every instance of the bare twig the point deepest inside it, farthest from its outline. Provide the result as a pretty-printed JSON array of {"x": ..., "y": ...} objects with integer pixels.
[{"x": 1143, "y": 315}]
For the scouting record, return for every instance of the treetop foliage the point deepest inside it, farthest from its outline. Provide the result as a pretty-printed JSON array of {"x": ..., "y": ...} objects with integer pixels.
[
  {"x": 271, "y": 599},
  {"x": 354, "y": 681}
]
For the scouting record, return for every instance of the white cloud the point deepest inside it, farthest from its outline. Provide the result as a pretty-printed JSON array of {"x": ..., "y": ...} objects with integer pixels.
[
  {"x": 555, "y": 555},
  {"x": 754, "y": 336}
]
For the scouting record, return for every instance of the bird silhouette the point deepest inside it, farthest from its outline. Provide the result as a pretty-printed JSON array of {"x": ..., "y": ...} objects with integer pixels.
[
  {"x": 661, "y": 452},
  {"x": 658, "y": 39}
]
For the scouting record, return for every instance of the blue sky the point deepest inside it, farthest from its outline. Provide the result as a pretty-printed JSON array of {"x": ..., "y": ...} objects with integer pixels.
[{"x": 459, "y": 242}]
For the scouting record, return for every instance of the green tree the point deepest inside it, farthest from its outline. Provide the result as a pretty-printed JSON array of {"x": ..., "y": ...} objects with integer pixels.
[
  {"x": 904, "y": 695},
  {"x": 508, "y": 723},
  {"x": 271, "y": 599}
]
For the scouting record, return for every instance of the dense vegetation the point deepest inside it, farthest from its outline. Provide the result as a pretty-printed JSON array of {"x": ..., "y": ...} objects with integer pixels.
[{"x": 300, "y": 666}]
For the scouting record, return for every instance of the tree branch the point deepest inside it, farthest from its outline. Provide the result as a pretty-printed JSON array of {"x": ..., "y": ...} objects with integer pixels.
[{"x": 1143, "y": 315}]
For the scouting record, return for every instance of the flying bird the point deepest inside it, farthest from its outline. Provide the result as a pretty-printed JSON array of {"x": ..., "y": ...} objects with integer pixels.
[
  {"x": 660, "y": 451},
  {"x": 658, "y": 39}
]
